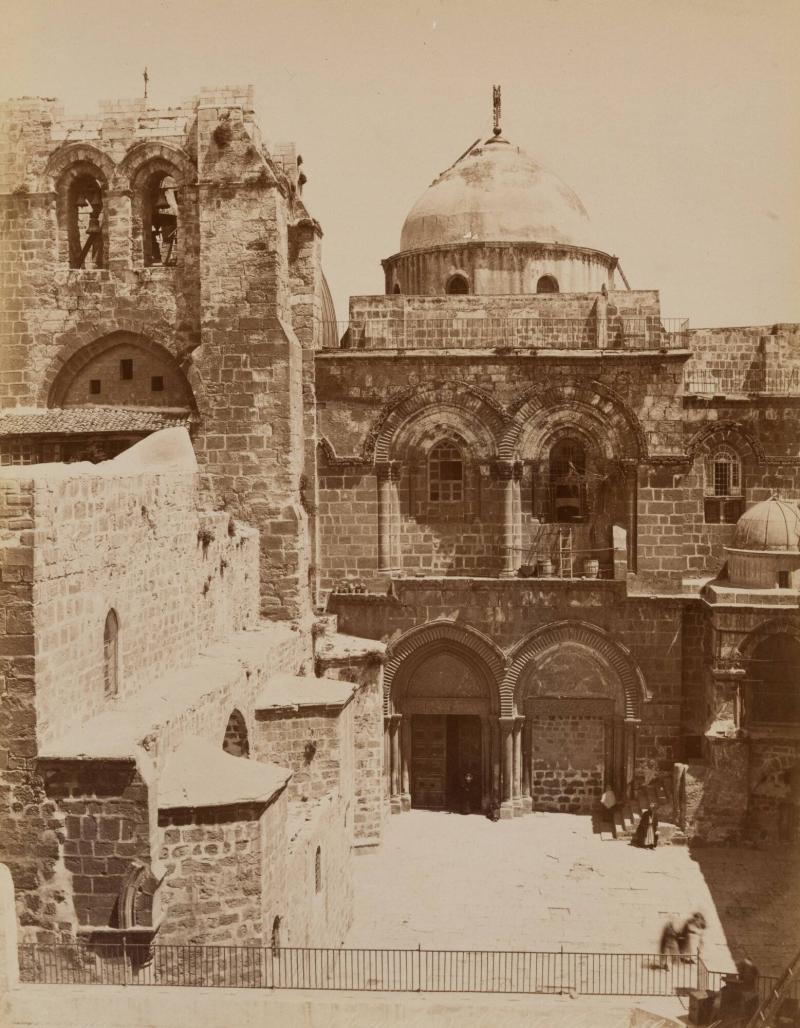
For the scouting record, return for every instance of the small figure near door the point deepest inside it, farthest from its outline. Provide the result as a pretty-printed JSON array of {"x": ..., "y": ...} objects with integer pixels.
[{"x": 466, "y": 806}]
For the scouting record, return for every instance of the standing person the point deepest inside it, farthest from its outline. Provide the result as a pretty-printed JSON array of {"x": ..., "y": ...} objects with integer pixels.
[
  {"x": 691, "y": 937},
  {"x": 668, "y": 947},
  {"x": 647, "y": 830}
]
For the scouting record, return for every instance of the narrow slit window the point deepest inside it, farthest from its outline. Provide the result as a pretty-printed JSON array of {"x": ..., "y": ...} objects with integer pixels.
[
  {"x": 111, "y": 654},
  {"x": 126, "y": 369},
  {"x": 94, "y": 386}
]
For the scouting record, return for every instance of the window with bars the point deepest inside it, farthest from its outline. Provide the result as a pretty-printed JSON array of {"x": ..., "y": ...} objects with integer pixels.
[
  {"x": 724, "y": 502},
  {"x": 446, "y": 474}
]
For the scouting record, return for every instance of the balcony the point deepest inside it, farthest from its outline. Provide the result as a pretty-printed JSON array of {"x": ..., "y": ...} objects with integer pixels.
[
  {"x": 727, "y": 382},
  {"x": 400, "y": 331}
]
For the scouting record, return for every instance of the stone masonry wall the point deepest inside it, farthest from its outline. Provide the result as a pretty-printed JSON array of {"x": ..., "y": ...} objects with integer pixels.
[
  {"x": 568, "y": 760},
  {"x": 215, "y": 873},
  {"x": 320, "y": 918},
  {"x": 121, "y": 542}
]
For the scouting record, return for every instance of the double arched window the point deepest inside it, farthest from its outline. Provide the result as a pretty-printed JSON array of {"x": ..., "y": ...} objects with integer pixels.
[{"x": 724, "y": 499}]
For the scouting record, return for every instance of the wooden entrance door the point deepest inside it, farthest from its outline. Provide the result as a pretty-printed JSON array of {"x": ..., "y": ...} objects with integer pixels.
[
  {"x": 464, "y": 763},
  {"x": 429, "y": 761}
]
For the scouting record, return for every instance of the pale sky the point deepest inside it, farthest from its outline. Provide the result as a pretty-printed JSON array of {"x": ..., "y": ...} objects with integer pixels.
[{"x": 676, "y": 122}]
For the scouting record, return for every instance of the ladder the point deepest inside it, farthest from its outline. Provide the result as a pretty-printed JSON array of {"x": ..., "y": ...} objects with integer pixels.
[{"x": 565, "y": 553}]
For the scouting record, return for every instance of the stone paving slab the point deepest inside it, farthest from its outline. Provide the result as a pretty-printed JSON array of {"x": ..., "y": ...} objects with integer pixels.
[{"x": 546, "y": 881}]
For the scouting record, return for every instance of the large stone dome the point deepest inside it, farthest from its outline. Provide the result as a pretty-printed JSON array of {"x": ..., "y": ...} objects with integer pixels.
[
  {"x": 772, "y": 526},
  {"x": 496, "y": 193}
]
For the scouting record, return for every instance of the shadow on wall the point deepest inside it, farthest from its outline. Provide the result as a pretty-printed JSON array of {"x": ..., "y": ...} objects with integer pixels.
[{"x": 756, "y": 893}]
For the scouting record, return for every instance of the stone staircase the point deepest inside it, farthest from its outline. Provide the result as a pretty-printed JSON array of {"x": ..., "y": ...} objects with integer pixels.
[{"x": 623, "y": 820}]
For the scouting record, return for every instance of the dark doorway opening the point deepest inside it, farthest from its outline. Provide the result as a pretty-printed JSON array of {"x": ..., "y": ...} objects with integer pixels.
[{"x": 447, "y": 762}]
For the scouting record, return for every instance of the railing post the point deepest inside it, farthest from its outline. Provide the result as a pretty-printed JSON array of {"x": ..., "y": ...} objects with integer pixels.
[{"x": 419, "y": 967}]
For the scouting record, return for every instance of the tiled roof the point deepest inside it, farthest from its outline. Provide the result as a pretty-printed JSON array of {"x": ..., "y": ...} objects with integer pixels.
[{"x": 89, "y": 420}]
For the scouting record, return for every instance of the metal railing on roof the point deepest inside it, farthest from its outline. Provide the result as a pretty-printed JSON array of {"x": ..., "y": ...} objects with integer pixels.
[{"x": 726, "y": 382}]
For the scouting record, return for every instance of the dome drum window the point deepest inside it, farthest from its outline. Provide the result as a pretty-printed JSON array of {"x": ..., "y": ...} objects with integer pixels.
[
  {"x": 547, "y": 284},
  {"x": 111, "y": 655},
  {"x": 457, "y": 285}
]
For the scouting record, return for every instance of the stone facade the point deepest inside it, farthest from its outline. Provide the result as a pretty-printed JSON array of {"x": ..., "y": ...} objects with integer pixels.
[{"x": 512, "y": 484}]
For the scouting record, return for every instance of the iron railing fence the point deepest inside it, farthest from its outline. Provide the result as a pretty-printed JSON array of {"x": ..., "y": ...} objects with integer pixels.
[
  {"x": 766, "y": 984},
  {"x": 357, "y": 970},
  {"x": 479, "y": 332},
  {"x": 718, "y": 382}
]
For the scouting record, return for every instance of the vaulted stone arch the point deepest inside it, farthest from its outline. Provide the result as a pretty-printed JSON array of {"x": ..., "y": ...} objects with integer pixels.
[
  {"x": 63, "y": 372},
  {"x": 147, "y": 152},
  {"x": 730, "y": 433},
  {"x": 424, "y": 639},
  {"x": 464, "y": 408},
  {"x": 442, "y": 702},
  {"x": 75, "y": 154},
  {"x": 590, "y": 407},
  {"x": 596, "y": 642}
]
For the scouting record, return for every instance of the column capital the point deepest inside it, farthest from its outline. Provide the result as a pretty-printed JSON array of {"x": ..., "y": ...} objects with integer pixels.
[
  {"x": 507, "y": 470},
  {"x": 388, "y": 470},
  {"x": 507, "y": 721}
]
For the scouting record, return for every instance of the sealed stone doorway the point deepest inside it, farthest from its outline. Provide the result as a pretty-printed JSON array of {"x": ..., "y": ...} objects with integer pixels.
[{"x": 447, "y": 762}]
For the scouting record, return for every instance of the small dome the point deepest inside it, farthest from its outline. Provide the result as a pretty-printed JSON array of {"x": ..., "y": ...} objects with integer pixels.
[
  {"x": 496, "y": 193},
  {"x": 770, "y": 526}
]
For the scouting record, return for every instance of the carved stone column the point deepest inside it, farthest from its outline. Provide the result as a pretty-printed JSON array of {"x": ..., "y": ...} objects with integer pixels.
[
  {"x": 527, "y": 800},
  {"x": 632, "y": 491},
  {"x": 507, "y": 749},
  {"x": 630, "y": 729},
  {"x": 395, "y": 803},
  {"x": 405, "y": 761},
  {"x": 518, "y": 723},
  {"x": 509, "y": 473},
  {"x": 388, "y": 474}
]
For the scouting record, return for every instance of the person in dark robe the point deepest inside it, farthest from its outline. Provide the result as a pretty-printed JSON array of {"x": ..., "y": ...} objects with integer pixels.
[{"x": 646, "y": 835}]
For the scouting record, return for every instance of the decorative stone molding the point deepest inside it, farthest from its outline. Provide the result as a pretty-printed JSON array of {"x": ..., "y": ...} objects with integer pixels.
[
  {"x": 593, "y": 638},
  {"x": 475, "y": 645},
  {"x": 734, "y": 433}
]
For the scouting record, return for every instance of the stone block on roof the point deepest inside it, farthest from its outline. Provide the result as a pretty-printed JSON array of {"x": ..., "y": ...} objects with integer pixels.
[{"x": 290, "y": 692}]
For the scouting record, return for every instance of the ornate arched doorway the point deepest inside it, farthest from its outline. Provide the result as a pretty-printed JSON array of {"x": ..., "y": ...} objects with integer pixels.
[
  {"x": 442, "y": 738},
  {"x": 579, "y": 695}
]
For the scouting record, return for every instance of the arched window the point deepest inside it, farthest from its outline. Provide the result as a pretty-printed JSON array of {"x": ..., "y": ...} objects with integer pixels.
[
  {"x": 396, "y": 288},
  {"x": 111, "y": 654},
  {"x": 547, "y": 284},
  {"x": 236, "y": 742},
  {"x": 318, "y": 870},
  {"x": 445, "y": 473},
  {"x": 774, "y": 681},
  {"x": 85, "y": 217},
  {"x": 724, "y": 501},
  {"x": 567, "y": 481},
  {"x": 160, "y": 219},
  {"x": 457, "y": 285}
]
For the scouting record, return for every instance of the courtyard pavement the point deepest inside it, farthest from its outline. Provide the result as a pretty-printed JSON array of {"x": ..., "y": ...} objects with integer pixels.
[{"x": 545, "y": 881}]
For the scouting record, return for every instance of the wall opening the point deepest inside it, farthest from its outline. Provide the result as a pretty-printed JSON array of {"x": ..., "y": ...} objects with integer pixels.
[
  {"x": 567, "y": 481},
  {"x": 236, "y": 742},
  {"x": 160, "y": 220},
  {"x": 85, "y": 222},
  {"x": 547, "y": 284},
  {"x": 774, "y": 681},
  {"x": 111, "y": 654},
  {"x": 457, "y": 285},
  {"x": 723, "y": 498},
  {"x": 318, "y": 870},
  {"x": 445, "y": 473},
  {"x": 275, "y": 937}
]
